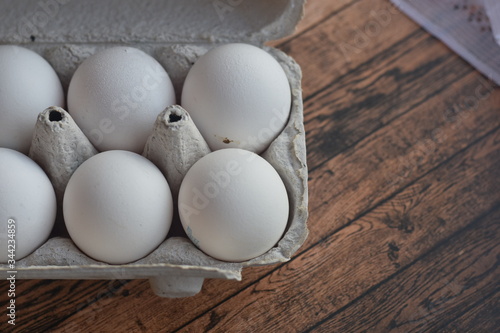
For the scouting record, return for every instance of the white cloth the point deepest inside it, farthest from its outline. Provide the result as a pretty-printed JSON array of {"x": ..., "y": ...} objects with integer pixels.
[
  {"x": 493, "y": 11},
  {"x": 465, "y": 26}
]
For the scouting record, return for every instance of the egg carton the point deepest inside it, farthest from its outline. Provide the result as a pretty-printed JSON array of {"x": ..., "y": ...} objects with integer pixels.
[{"x": 66, "y": 32}]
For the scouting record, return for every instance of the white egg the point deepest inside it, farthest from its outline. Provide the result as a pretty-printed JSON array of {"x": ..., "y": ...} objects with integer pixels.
[
  {"x": 233, "y": 205},
  {"x": 115, "y": 96},
  {"x": 27, "y": 205},
  {"x": 28, "y": 85},
  {"x": 238, "y": 96},
  {"x": 117, "y": 207}
]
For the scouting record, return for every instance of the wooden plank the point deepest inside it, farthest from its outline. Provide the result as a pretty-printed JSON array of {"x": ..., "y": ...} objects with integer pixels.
[
  {"x": 34, "y": 297},
  {"x": 447, "y": 282},
  {"x": 377, "y": 88},
  {"x": 481, "y": 317},
  {"x": 345, "y": 40},
  {"x": 345, "y": 265},
  {"x": 391, "y": 158},
  {"x": 376, "y": 92}
]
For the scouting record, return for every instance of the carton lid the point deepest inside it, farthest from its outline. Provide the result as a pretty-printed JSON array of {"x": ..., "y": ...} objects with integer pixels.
[{"x": 147, "y": 21}]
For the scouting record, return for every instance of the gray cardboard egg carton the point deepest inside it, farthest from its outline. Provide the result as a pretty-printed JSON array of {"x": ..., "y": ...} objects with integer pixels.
[{"x": 66, "y": 32}]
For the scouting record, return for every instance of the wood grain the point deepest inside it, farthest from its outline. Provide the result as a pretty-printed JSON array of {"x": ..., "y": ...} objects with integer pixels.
[
  {"x": 318, "y": 51},
  {"x": 356, "y": 180},
  {"x": 403, "y": 150},
  {"x": 446, "y": 283},
  {"x": 381, "y": 90},
  {"x": 480, "y": 317}
]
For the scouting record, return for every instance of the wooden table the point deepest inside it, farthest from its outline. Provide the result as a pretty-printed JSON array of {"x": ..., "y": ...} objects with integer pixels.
[{"x": 404, "y": 155}]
